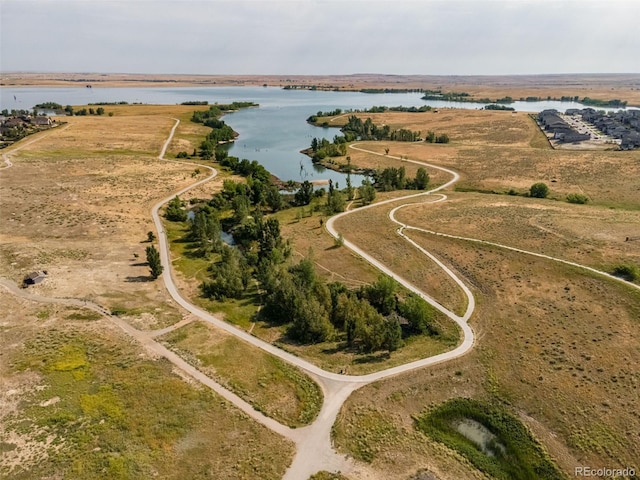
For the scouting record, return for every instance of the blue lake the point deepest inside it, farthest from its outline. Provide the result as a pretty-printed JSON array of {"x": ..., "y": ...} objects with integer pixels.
[{"x": 274, "y": 133}]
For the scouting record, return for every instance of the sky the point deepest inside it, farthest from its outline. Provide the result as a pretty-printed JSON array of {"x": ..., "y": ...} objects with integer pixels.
[{"x": 320, "y": 37}]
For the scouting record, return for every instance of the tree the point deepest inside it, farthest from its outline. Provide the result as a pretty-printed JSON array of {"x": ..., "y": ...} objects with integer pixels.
[
  {"x": 229, "y": 277},
  {"x": 151, "y": 237},
  {"x": 335, "y": 203},
  {"x": 153, "y": 259},
  {"x": 241, "y": 205},
  {"x": 174, "y": 211},
  {"x": 539, "y": 190},
  {"x": 422, "y": 179},
  {"x": 367, "y": 192},
  {"x": 304, "y": 195},
  {"x": 382, "y": 294},
  {"x": 418, "y": 313}
]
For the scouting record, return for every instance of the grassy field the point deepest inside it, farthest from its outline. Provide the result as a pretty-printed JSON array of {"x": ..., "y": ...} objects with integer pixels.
[
  {"x": 499, "y": 151},
  {"x": 77, "y": 204},
  {"x": 273, "y": 387},
  {"x": 556, "y": 346},
  {"x": 373, "y": 231},
  {"x": 80, "y": 400},
  {"x": 590, "y": 235}
]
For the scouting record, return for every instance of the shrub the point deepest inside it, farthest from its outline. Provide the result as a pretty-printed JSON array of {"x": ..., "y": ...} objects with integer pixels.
[
  {"x": 182, "y": 155},
  {"x": 627, "y": 272},
  {"x": 539, "y": 190},
  {"x": 577, "y": 198}
]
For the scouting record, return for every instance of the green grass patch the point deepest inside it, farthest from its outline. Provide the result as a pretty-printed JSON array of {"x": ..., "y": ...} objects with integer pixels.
[
  {"x": 367, "y": 433},
  {"x": 504, "y": 450},
  {"x": 129, "y": 417},
  {"x": 272, "y": 386},
  {"x": 84, "y": 315}
]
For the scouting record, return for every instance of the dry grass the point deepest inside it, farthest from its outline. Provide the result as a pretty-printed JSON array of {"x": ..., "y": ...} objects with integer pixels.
[
  {"x": 80, "y": 400},
  {"x": 277, "y": 389},
  {"x": 589, "y": 235},
  {"x": 498, "y": 151},
  {"x": 373, "y": 231},
  {"x": 558, "y": 346},
  {"x": 77, "y": 204}
]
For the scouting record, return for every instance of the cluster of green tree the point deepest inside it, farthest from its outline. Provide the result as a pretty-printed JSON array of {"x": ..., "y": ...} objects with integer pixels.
[
  {"x": 336, "y": 201},
  {"x": 433, "y": 138},
  {"x": 195, "y": 102},
  {"x": 83, "y": 111},
  {"x": 539, "y": 190},
  {"x": 461, "y": 97},
  {"x": 256, "y": 239},
  {"x": 220, "y": 131},
  {"x": 300, "y": 87},
  {"x": 577, "y": 198},
  {"x": 449, "y": 96},
  {"x": 400, "y": 108},
  {"x": 615, "y": 103},
  {"x": 390, "y": 90},
  {"x": 369, "y": 319},
  {"x": 393, "y": 178},
  {"x": 243, "y": 167},
  {"x": 14, "y": 112},
  {"x": 628, "y": 272},
  {"x": 175, "y": 210},
  {"x": 110, "y": 103},
  {"x": 49, "y": 106},
  {"x": 356, "y": 129},
  {"x": 375, "y": 109},
  {"x": 494, "y": 106},
  {"x": 322, "y": 148},
  {"x": 218, "y": 109}
]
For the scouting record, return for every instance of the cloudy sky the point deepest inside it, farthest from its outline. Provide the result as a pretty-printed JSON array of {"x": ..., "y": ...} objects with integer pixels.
[{"x": 456, "y": 37}]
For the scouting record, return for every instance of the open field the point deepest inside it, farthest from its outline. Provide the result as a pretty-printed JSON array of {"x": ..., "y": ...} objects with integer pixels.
[
  {"x": 558, "y": 346},
  {"x": 81, "y": 400},
  {"x": 273, "y": 387},
  {"x": 601, "y": 86},
  {"x": 593, "y": 236},
  {"x": 500, "y": 151},
  {"x": 372, "y": 230},
  {"x": 77, "y": 204},
  {"x": 85, "y": 218}
]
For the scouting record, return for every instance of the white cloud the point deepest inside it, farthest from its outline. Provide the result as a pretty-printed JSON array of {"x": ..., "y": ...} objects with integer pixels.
[{"x": 320, "y": 36}]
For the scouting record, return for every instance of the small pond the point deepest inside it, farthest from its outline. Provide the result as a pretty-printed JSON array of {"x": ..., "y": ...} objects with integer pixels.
[{"x": 480, "y": 435}]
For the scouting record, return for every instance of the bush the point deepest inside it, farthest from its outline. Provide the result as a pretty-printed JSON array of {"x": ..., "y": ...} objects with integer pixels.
[
  {"x": 628, "y": 272},
  {"x": 577, "y": 198},
  {"x": 539, "y": 190},
  {"x": 182, "y": 155}
]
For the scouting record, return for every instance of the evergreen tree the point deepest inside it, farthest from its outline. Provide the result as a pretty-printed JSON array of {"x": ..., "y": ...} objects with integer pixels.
[{"x": 153, "y": 259}]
